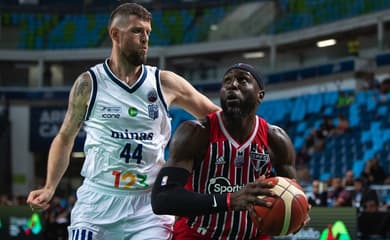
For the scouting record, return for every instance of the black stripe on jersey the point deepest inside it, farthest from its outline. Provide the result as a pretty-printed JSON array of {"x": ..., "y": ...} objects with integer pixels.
[
  {"x": 236, "y": 220},
  {"x": 248, "y": 227},
  {"x": 121, "y": 83},
  {"x": 221, "y": 217},
  {"x": 227, "y": 155},
  {"x": 159, "y": 92},
  {"x": 251, "y": 177},
  {"x": 210, "y": 173},
  {"x": 195, "y": 186},
  {"x": 198, "y": 169},
  {"x": 93, "y": 94}
]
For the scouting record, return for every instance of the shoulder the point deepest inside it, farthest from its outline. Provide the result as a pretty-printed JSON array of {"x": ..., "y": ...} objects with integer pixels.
[
  {"x": 191, "y": 129},
  {"x": 189, "y": 143},
  {"x": 280, "y": 146},
  {"x": 191, "y": 134},
  {"x": 278, "y": 139},
  {"x": 82, "y": 85},
  {"x": 174, "y": 81},
  {"x": 276, "y": 133},
  {"x": 168, "y": 76}
]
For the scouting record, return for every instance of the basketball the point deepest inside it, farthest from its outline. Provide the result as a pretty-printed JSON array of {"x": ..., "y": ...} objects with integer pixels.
[{"x": 288, "y": 211}]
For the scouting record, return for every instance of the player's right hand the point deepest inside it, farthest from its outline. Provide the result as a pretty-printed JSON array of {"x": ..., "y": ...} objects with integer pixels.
[
  {"x": 39, "y": 200},
  {"x": 245, "y": 198}
]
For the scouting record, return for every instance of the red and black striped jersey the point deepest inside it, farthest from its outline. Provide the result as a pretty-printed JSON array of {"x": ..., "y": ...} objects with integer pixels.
[{"x": 227, "y": 166}]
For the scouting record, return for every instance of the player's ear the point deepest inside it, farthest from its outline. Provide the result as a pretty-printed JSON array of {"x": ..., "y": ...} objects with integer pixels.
[
  {"x": 260, "y": 95},
  {"x": 114, "y": 33}
]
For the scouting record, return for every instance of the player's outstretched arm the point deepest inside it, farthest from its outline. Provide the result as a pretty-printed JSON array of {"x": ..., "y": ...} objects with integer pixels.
[
  {"x": 282, "y": 152},
  {"x": 62, "y": 144},
  {"x": 179, "y": 91}
]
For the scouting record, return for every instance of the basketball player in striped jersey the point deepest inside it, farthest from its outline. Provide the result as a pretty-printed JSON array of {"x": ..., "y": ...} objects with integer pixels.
[
  {"x": 123, "y": 105},
  {"x": 217, "y": 166}
]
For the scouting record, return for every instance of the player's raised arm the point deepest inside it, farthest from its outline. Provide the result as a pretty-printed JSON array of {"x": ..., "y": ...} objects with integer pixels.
[
  {"x": 179, "y": 91},
  {"x": 62, "y": 144}
]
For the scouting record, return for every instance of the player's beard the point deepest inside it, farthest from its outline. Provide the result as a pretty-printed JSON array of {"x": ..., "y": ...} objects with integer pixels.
[
  {"x": 136, "y": 58},
  {"x": 238, "y": 110}
]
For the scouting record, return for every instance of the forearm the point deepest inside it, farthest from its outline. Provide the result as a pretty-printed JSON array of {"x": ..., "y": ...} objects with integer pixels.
[
  {"x": 170, "y": 197},
  {"x": 58, "y": 161}
]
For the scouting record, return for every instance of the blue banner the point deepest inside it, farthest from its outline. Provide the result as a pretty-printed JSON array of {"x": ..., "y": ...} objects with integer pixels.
[{"x": 45, "y": 122}]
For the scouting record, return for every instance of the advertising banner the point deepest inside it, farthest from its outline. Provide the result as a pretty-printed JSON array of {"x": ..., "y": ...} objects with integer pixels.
[
  {"x": 45, "y": 122},
  {"x": 19, "y": 222},
  {"x": 328, "y": 223}
]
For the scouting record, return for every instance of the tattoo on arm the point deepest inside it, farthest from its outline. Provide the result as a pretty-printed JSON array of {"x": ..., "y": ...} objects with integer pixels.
[{"x": 77, "y": 106}]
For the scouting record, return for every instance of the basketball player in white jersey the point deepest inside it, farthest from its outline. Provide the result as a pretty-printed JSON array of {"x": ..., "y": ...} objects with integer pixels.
[{"x": 123, "y": 104}]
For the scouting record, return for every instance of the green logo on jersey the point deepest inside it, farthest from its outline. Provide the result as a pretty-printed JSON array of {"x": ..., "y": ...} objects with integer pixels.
[{"x": 132, "y": 112}]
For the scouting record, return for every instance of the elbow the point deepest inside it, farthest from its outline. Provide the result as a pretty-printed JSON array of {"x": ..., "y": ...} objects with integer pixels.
[
  {"x": 158, "y": 206},
  {"x": 155, "y": 204}
]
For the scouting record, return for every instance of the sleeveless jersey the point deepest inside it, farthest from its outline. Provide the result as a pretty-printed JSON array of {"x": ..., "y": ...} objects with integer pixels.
[
  {"x": 127, "y": 130},
  {"x": 226, "y": 167}
]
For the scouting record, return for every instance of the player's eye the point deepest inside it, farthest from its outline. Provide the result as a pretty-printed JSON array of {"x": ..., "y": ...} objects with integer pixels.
[{"x": 137, "y": 30}]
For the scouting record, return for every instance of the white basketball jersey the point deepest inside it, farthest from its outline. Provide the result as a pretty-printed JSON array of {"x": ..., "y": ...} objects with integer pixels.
[{"x": 127, "y": 129}]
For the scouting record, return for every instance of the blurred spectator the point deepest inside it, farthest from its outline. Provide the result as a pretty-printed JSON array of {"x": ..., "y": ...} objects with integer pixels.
[
  {"x": 309, "y": 143},
  {"x": 326, "y": 128},
  {"x": 371, "y": 206},
  {"x": 56, "y": 218},
  {"x": 353, "y": 47},
  {"x": 20, "y": 200},
  {"x": 372, "y": 223},
  {"x": 339, "y": 196},
  {"x": 342, "y": 126},
  {"x": 318, "y": 195},
  {"x": 368, "y": 80},
  {"x": 302, "y": 157},
  {"x": 70, "y": 204},
  {"x": 4, "y": 200},
  {"x": 387, "y": 181},
  {"x": 373, "y": 172},
  {"x": 315, "y": 141},
  {"x": 303, "y": 176},
  {"x": 349, "y": 179},
  {"x": 362, "y": 193},
  {"x": 385, "y": 86},
  {"x": 344, "y": 99}
]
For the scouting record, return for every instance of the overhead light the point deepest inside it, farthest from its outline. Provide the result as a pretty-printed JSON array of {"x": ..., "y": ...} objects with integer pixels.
[
  {"x": 258, "y": 54},
  {"x": 326, "y": 43}
]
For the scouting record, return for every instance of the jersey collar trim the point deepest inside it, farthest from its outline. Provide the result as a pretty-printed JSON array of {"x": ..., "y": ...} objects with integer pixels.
[
  {"x": 237, "y": 145},
  {"x": 120, "y": 83}
]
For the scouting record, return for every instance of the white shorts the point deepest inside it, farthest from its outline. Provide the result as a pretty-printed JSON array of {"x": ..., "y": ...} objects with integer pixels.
[{"x": 101, "y": 213}]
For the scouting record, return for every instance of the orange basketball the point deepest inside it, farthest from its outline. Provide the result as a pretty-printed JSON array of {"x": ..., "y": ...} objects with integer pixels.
[{"x": 289, "y": 208}]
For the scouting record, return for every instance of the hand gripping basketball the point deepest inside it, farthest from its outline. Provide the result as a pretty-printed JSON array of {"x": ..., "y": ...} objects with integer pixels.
[{"x": 289, "y": 210}]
